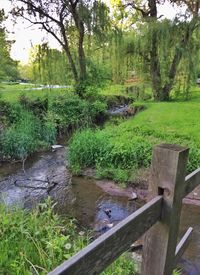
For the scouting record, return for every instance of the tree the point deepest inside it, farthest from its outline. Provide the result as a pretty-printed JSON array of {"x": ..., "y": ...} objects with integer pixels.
[
  {"x": 175, "y": 42},
  {"x": 8, "y": 67},
  {"x": 48, "y": 66},
  {"x": 65, "y": 20}
]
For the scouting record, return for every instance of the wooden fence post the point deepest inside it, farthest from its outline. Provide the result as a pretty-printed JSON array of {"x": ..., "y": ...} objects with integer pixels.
[{"x": 168, "y": 177}]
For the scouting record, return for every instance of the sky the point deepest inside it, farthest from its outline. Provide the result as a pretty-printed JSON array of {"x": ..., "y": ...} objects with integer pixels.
[{"x": 26, "y": 36}]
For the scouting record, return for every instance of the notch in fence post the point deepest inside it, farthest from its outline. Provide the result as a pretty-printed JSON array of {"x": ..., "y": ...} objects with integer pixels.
[{"x": 167, "y": 178}]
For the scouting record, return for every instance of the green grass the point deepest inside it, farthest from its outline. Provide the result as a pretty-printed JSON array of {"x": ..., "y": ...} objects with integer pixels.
[
  {"x": 38, "y": 241},
  {"x": 113, "y": 90},
  {"x": 11, "y": 93},
  {"x": 29, "y": 123},
  {"x": 129, "y": 145}
]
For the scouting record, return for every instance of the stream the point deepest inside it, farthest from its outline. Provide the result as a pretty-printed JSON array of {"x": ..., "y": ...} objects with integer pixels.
[{"x": 46, "y": 174}]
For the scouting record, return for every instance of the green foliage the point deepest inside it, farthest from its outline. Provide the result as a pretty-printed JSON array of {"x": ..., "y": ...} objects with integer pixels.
[
  {"x": 87, "y": 148},
  {"x": 38, "y": 106},
  {"x": 20, "y": 139},
  {"x": 71, "y": 112},
  {"x": 8, "y": 67},
  {"x": 119, "y": 149},
  {"x": 36, "y": 242},
  {"x": 25, "y": 136},
  {"x": 123, "y": 265},
  {"x": 33, "y": 122},
  {"x": 117, "y": 174},
  {"x": 177, "y": 272},
  {"x": 109, "y": 153},
  {"x": 48, "y": 66},
  {"x": 98, "y": 75}
]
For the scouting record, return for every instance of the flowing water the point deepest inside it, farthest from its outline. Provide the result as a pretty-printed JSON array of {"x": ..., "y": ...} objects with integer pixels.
[{"x": 46, "y": 174}]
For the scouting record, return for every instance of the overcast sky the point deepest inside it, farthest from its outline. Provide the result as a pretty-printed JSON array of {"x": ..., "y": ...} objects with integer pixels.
[{"x": 26, "y": 36}]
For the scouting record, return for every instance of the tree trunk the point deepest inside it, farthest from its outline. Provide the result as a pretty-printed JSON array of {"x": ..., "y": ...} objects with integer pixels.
[
  {"x": 68, "y": 53},
  {"x": 172, "y": 74},
  {"x": 162, "y": 92},
  {"x": 155, "y": 69},
  {"x": 81, "y": 53},
  {"x": 154, "y": 56},
  {"x": 175, "y": 62}
]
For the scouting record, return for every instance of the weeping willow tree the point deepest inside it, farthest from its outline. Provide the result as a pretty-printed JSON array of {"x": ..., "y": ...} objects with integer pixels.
[
  {"x": 161, "y": 45},
  {"x": 49, "y": 66},
  {"x": 69, "y": 22},
  {"x": 189, "y": 68}
]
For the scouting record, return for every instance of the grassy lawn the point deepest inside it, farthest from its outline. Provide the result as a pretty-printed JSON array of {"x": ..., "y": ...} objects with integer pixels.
[
  {"x": 12, "y": 92},
  {"x": 128, "y": 145},
  {"x": 174, "y": 121}
]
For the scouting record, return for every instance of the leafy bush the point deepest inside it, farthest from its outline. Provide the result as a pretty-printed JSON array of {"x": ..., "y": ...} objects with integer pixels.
[
  {"x": 73, "y": 112},
  {"x": 38, "y": 106},
  {"x": 9, "y": 113},
  {"x": 48, "y": 133}
]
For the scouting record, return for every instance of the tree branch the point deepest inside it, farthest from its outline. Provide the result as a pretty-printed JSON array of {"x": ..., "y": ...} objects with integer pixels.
[{"x": 40, "y": 11}]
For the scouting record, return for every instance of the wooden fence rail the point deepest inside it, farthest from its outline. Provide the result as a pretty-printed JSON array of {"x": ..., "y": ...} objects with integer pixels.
[{"x": 159, "y": 218}]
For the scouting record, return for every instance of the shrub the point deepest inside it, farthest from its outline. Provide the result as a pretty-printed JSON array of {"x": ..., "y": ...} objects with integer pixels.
[
  {"x": 69, "y": 111},
  {"x": 39, "y": 106},
  {"x": 48, "y": 133},
  {"x": 9, "y": 113},
  {"x": 73, "y": 112}
]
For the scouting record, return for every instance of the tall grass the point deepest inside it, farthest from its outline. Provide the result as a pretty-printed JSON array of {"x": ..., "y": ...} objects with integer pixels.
[
  {"x": 38, "y": 241},
  {"x": 25, "y": 136},
  {"x": 118, "y": 149},
  {"x": 100, "y": 150}
]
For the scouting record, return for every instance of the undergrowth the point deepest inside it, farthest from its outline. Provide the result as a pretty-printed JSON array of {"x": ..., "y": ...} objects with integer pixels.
[
  {"x": 118, "y": 150},
  {"x": 34, "y": 123},
  {"x": 38, "y": 241}
]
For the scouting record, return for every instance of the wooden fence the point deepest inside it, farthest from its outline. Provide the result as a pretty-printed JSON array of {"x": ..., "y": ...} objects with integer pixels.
[{"x": 159, "y": 219}]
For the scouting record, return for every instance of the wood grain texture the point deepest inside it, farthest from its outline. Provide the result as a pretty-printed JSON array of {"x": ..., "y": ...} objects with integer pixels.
[
  {"x": 167, "y": 177},
  {"x": 102, "y": 252},
  {"x": 183, "y": 244},
  {"x": 192, "y": 181}
]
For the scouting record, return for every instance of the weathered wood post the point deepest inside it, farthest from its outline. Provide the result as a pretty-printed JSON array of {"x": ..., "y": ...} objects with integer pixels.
[{"x": 168, "y": 176}]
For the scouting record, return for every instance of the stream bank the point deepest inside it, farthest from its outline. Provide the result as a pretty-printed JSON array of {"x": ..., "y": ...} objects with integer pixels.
[{"x": 84, "y": 198}]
